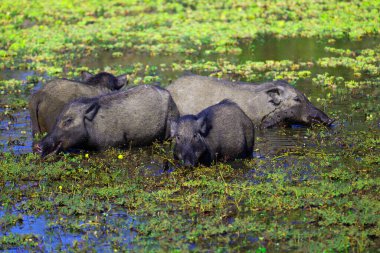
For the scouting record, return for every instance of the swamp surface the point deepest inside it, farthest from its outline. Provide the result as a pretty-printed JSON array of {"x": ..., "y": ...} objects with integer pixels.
[{"x": 305, "y": 189}]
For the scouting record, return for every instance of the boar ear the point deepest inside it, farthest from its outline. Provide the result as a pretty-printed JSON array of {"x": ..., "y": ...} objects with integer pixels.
[
  {"x": 121, "y": 81},
  {"x": 86, "y": 75},
  {"x": 173, "y": 128},
  {"x": 275, "y": 95},
  {"x": 202, "y": 125},
  {"x": 91, "y": 111}
]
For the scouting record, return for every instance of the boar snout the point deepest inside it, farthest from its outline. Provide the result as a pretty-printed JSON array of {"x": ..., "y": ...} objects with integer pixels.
[
  {"x": 186, "y": 157},
  {"x": 49, "y": 146},
  {"x": 189, "y": 162},
  {"x": 37, "y": 148},
  {"x": 319, "y": 117}
]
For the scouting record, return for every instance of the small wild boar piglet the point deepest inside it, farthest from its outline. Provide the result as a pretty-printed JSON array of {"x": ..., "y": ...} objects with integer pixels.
[
  {"x": 220, "y": 132},
  {"x": 46, "y": 104},
  {"x": 135, "y": 117}
]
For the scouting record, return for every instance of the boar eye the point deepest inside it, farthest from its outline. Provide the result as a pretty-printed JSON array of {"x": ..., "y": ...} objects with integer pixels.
[
  {"x": 177, "y": 138},
  {"x": 297, "y": 99},
  {"x": 67, "y": 122}
]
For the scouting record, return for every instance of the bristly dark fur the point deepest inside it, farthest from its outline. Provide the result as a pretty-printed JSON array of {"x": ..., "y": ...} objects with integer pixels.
[{"x": 103, "y": 77}]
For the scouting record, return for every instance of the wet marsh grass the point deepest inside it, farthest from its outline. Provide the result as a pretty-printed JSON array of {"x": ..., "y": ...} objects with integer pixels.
[
  {"x": 325, "y": 200},
  {"x": 319, "y": 194}
]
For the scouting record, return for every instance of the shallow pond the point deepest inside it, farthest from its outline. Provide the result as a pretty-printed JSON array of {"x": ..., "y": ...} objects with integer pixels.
[{"x": 351, "y": 108}]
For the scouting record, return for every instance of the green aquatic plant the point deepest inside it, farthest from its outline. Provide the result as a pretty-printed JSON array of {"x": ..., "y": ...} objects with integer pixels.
[
  {"x": 47, "y": 36},
  {"x": 366, "y": 61},
  {"x": 28, "y": 242},
  {"x": 332, "y": 207},
  {"x": 9, "y": 220}
]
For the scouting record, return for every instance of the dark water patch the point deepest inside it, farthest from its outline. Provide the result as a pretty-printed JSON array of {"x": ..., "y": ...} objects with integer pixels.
[
  {"x": 338, "y": 71},
  {"x": 104, "y": 59},
  {"x": 8, "y": 74},
  {"x": 75, "y": 232},
  {"x": 297, "y": 49},
  {"x": 16, "y": 135},
  {"x": 50, "y": 238},
  {"x": 263, "y": 49},
  {"x": 272, "y": 141}
]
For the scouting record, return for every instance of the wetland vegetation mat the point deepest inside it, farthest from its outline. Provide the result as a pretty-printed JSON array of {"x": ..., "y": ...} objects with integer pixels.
[{"x": 305, "y": 189}]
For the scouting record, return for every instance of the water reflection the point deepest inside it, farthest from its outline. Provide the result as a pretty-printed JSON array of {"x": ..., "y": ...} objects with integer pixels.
[
  {"x": 16, "y": 134},
  {"x": 52, "y": 236},
  {"x": 297, "y": 49}
]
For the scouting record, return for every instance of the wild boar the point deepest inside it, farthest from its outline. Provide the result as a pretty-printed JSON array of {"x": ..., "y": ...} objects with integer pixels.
[
  {"x": 268, "y": 104},
  {"x": 46, "y": 104},
  {"x": 220, "y": 132},
  {"x": 134, "y": 117}
]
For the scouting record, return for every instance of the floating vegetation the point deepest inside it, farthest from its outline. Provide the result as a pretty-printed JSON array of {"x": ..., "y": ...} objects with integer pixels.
[
  {"x": 48, "y": 36},
  {"x": 324, "y": 200}
]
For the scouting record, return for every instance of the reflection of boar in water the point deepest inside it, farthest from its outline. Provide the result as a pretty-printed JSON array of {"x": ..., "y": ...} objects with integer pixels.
[
  {"x": 267, "y": 104},
  {"x": 46, "y": 104},
  {"x": 220, "y": 132},
  {"x": 136, "y": 117}
]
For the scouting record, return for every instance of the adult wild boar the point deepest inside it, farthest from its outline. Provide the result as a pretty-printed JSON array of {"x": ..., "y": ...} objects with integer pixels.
[
  {"x": 268, "y": 104},
  {"x": 134, "y": 117},
  {"x": 46, "y": 104},
  {"x": 222, "y": 131}
]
